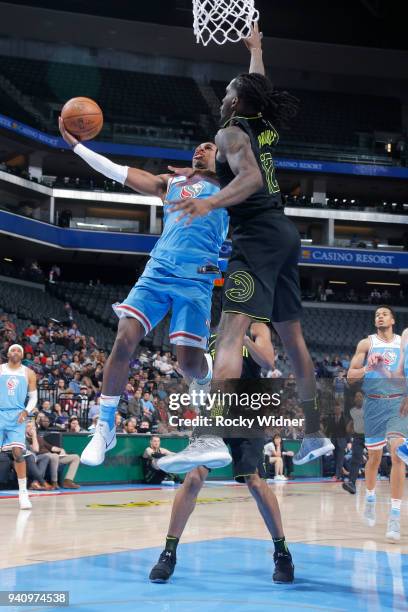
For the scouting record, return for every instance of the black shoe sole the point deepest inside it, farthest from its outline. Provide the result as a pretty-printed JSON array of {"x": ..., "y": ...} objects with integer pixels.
[
  {"x": 159, "y": 580},
  {"x": 345, "y": 487}
]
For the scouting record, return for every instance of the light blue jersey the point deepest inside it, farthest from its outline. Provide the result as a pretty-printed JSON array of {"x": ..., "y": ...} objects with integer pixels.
[
  {"x": 182, "y": 249},
  {"x": 383, "y": 396},
  {"x": 13, "y": 394},
  {"x": 171, "y": 280},
  {"x": 374, "y": 382},
  {"x": 13, "y": 387}
]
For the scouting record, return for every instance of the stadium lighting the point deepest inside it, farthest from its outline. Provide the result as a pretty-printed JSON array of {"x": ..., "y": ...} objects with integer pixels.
[
  {"x": 334, "y": 282},
  {"x": 7, "y": 259},
  {"x": 384, "y": 284}
]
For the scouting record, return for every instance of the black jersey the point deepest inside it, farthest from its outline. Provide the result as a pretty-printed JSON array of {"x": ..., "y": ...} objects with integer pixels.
[
  {"x": 250, "y": 369},
  {"x": 264, "y": 138}
]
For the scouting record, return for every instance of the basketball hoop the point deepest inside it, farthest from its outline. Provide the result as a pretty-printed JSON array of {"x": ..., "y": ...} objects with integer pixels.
[{"x": 223, "y": 20}]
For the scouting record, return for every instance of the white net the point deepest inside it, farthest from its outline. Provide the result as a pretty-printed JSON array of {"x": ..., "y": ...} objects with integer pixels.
[{"x": 223, "y": 20}]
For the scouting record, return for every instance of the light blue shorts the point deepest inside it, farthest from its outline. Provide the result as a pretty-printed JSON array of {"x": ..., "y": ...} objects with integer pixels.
[
  {"x": 382, "y": 421},
  {"x": 189, "y": 300},
  {"x": 11, "y": 432}
]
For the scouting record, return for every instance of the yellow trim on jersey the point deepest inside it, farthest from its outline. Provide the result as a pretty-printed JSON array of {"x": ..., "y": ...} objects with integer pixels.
[
  {"x": 258, "y": 116},
  {"x": 248, "y": 315}
]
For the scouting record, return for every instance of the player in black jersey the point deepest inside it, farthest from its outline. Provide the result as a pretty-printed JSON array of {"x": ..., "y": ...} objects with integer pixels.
[
  {"x": 247, "y": 455},
  {"x": 262, "y": 277}
]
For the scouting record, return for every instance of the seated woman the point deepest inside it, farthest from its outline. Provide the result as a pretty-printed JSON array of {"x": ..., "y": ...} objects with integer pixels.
[{"x": 279, "y": 458}]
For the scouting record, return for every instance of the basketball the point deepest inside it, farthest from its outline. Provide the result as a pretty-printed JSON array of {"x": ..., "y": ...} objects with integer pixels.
[{"x": 82, "y": 117}]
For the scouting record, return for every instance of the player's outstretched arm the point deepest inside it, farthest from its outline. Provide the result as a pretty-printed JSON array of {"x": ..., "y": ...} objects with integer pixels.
[
  {"x": 139, "y": 180},
  {"x": 254, "y": 45},
  {"x": 357, "y": 368}
]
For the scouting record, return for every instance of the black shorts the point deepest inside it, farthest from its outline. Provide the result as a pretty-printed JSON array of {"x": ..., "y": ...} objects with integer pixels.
[
  {"x": 263, "y": 274},
  {"x": 247, "y": 457}
]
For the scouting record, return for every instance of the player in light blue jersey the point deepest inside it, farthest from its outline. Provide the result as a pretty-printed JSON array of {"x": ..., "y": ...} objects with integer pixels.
[
  {"x": 402, "y": 451},
  {"x": 171, "y": 280},
  {"x": 16, "y": 382},
  {"x": 376, "y": 363}
]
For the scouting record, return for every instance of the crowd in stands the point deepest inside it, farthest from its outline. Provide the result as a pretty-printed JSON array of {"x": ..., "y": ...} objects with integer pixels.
[{"x": 69, "y": 367}]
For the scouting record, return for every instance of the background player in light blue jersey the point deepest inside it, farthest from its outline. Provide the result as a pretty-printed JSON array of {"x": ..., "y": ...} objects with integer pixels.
[
  {"x": 16, "y": 382},
  {"x": 401, "y": 373},
  {"x": 376, "y": 362},
  {"x": 171, "y": 280}
]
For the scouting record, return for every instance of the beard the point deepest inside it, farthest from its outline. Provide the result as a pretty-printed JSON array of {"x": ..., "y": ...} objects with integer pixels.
[{"x": 200, "y": 165}]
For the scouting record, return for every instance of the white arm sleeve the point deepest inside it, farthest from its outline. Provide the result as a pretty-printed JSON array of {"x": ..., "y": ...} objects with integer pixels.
[
  {"x": 102, "y": 164},
  {"x": 32, "y": 401}
]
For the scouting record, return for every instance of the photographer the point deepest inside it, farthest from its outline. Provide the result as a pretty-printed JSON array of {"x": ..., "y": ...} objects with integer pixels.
[{"x": 152, "y": 474}]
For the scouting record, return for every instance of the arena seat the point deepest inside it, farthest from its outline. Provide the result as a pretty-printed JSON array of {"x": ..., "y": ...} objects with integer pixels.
[{"x": 336, "y": 118}]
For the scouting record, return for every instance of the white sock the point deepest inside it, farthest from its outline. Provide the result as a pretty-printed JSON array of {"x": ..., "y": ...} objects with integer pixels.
[
  {"x": 370, "y": 493},
  {"x": 22, "y": 485},
  {"x": 108, "y": 405},
  {"x": 396, "y": 506}
]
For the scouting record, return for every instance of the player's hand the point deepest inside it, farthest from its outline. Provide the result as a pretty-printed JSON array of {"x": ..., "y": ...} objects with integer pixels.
[
  {"x": 69, "y": 138},
  {"x": 404, "y": 407},
  {"x": 192, "y": 208},
  {"x": 187, "y": 172},
  {"x": 254, "y": 41},
  {"x": 22, "y": 417},
  {"x": 375, "y": 360}
]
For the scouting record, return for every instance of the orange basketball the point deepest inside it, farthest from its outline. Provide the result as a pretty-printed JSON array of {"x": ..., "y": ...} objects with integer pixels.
[{"x": 82, "y": 117}]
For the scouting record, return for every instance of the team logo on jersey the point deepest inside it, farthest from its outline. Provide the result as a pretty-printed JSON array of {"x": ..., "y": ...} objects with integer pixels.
[
  {"x": 192, "y": 191},
  {"x": 12, "y": 384},
  {"x": 390, "y": 357}
]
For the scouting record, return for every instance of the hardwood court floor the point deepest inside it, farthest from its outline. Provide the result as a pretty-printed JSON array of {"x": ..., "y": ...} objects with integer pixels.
[{"x": 99, "y": 539}]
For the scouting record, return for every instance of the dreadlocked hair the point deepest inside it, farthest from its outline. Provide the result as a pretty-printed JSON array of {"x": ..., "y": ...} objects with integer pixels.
[{"x": 259, "y": 95}]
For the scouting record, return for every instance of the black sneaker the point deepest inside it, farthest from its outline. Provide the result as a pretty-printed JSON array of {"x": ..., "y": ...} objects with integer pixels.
[
  {"x": 164, "y": 567},
  {"x": 284, "y": 568},
  {"x": 349, "y": 486}
]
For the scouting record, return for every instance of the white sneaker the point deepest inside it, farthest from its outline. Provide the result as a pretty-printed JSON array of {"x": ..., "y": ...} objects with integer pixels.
[
  {"x": 103, "y": 440},
  {"x": 393, "y": 533},
  {"x": 369, "y": 512},
  {"x": 24, "y": 501},
  {"x": 280, "y": 477},
  {"x": 207, "y": 451},
  {"x": 199, "y": 397},
  {"x": 313, "y": 446}
]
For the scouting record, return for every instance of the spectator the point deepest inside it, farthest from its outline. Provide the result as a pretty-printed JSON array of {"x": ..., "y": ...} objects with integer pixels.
[
  {"x": 94, "y": 423},
  {"x": 285, "y": 454},
  {"x": 58, "y": 456},
  {"x": 144, "y": 427},
  {"x": 135, "y": 405},
  {"x": 340, "y": 383},
  {"x": 130, "y": 426},
  {"x": 161, "y": 392},
  {"x": 355, "y": 428},
  {"x": 61, "y": 388},
  {"x": 36, "y": 464},
  {"x": 43, "y": 422},
  {"x": 146, "y": 401},
  {"x": 75, "y": 384},
  {"x": 275, "y": 460},
  {"x": 336, "y": 430},
  {"x": 118, "y": 423},
  {"x": 73, "y": 425},
  {"x": 60, "y": 417},
  {"x": 152, "y": 474}
]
